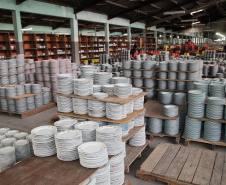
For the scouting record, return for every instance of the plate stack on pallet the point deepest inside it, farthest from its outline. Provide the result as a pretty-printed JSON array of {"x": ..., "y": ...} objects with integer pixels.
[{"x": 30, "y": 71}]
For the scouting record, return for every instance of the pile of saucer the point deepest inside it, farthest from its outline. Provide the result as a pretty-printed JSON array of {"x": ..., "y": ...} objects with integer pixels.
[
  {"x": 111, "y": 136},
  {"x": 80, "y": 106},
  {"x": 116, "y": 80},
  {"x": 93, "y": 154},
  {"x": 171, "y": 110},
  {"x": 96, "y": 108},
  {"x": 64, "y": 104},
  {"x": 138, "y": 104},
  {"x": 123, "y": 90},
  {"x": 103, "y": 175},
  {"x": 22, "y": 149},
  {"x": 139, "y": 139},
  {"x": 43, "y": 140},
  {"x": 136, "y": 90},
  {"x": 64, "y": 84},
  {"x": 125, "y": 128},
  {"x": 83, "y": 86},
  {"x": 109, "y": 89},
  {"x": 100, "y": 95},
  {"x": 102, "y": 78},
  {"x": 67, "y": 144},
  {"x": 8, "y": 157},
  {"x": 66, "y": 124},
  {"x": 88, "y": 129},
  {"x": 97, "y": 88},
  {"x": 11, "y": 133},
  {"x": 115, "y": 111}
]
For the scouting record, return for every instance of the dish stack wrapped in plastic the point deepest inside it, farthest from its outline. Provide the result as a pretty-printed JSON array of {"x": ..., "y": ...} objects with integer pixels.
[
  {"x": 22, "y": 149},
  {"x": 115, "y": 111},
  {"x": 123, "y": 90},
  {"x": 96, "y": 108},
  {"x": 7, "y": 157},
  {"x": 80, "y": 106},
  {"x": 139, "y": 139},
  {"x": 83, "y": 87}
]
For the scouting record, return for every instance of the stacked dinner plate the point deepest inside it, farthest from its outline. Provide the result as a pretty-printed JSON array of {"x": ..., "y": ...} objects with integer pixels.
[
  {"x": 21, "y": 105},
  {"x": 182, "y": 76},
  {"x": 27, "y": 88},
  {"x": 196, "y": 110},
  {"x": 96, "y": 108},
  {"x": 21, "y": 135},
  {"x": 80, "y": 106},
  {"x": 103, "y": 175},
  {"x": 127, "y": 64},
  {"x": 36, "y": 88},
  {"x": 30, "y": 101},
  {"x": 131, "y": 124},
  {"x": 138, "y": 104},
  {"x": 163, "y": 75},
  {"x": 11, "y": 133},
  {"x": 100, "y": 95},
  {"x": 163, "y": 66},
  {"x": 155, "y": 125},
  {"x": 149, "y": 83},
  {"x": 20, "y": 90},
  {"x": 136, "y": 64},
  {"x": 139, "y": 139},
  {"x": 129, "y": 108},
  {"x": 102, "y": 78},
  {"x": 215, "y": 107},
  {"x": 64, "y": 84},
  {"x": 172, "y": 75},
  {"x": 3, "y": 91},
  {"x": 66, "y": 124},
  {"x": 43, "y": 140},
  {"x": 10, "y": 91},
  {"x": 202, "y": 86},
  {"x": 97, "y": 88},
  {"x": 193, "y": 76},
  {"x": 171, "y": 127},
  {"x": 166, "y": 97},
  {"x": 148, "y": 64},
  {"x": 217, "y": 90},
  {"x": 196, "y": 96},
  {"x": 83, "y": 87},
  {"x": 67, "y": 144},
  {"x": 116, "y": 80},
  {"x": 8, "y": 141},
  {"x": 171, "y": 110},
  {"x": 149, "y": 74},
  {"x": 111, "y": 136},
  {"x": 115, "y": 111},
  {"x": 137, "y": 82},
  {"x": 171, "y": 85},
  {"x": 3, "y": 130},
  {"x": 212, "y": 131},
  {"x": 117, "y": 174},
  {"x": 162, "y": 84},
  {"x": 137, "y": 73},
  {"x": 173, "y": 66},
  {"x": 183, "y": 66},
  {"x": 181, "y": 85},
  {"x": 136, "y": 90},
  {"x": 64, "y": 104},
  {"x": 38, "y": 100},
  {"x": 29, "y": 138},
  {"x": 179, "y": 98},
  {"x": 127, "y": 73},
  {"x": 87, "y": 71},
  {"x": 125, "y": 128},
  {"x": 192, "y": 128},
  {"x": 139, "y": 120},
  {"x": 22, "y": 149},
  {"x": 109, "y": 89},
  {"x": 7, "y": 157},
  {"x": 11, "y": 105},
  {"x": 93, "y": 154},
  {"x": 123, "y": 90},
  {"x": 193, "y": 66},
  {"x": 88, "y": 129},
  {"x": 3, "y": 104}
]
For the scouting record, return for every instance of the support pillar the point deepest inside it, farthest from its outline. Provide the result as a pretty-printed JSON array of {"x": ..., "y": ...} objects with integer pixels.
[
  {"x": 74, "y": 39},
  {"x": 156, "y": 39},
  {"x": 129, "y": 37},
  {"x": 17, "y": 31},
  {"x": 171, "y": 39},
  {"x": 145, "y": 40},
  {"x": 107, "y": 40},
  {"x": 164, "y": 38}
]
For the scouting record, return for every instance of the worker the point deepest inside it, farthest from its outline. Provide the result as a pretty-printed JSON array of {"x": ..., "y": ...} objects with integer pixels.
[{"x": 134, "y": 52}]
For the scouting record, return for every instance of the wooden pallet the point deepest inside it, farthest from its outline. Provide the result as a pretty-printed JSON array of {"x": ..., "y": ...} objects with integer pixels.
[
  {"x": 178, "y": 80},
  {"x": 162, "y": 134},
  {"x": 31, "y": 112},
  {"x": 179, "y": 165},
  {"x": 132, "y": 153}
]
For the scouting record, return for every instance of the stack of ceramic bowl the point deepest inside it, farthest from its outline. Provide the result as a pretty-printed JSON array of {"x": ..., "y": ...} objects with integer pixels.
[
  {"x": 117, "y": 174},
  {"x": 212, "y": 131},
  {"x": 155, "y": 125},
  {"x": 8, "y": 157},
  {"x": 43, "y": 140},
  {"x": 21, "y": 135},
  {"x": 11, "y": 133},
  {"x": 171, "y": 110},
  {"x": 87, "y": 71},
  {"x": 83, "y": 87},
  {"x": 115, "y": 111},
  {"x": 64, "y": 104},
  {"x": 111, "y": 136},
  {"x": 109, "y": 89},
  {"x": 125, "y": 128},
  {"x": 139, "y": 139},
  {"x": 192, "y": 128},
  {"x": 215, "y": 107},
  {"x": 136, "y": 64},
  {"x": 129, "y": 108},
  {"x": 136, "y": 91},
  {"x": 139, "y": 120},
  {"x": 22, "y": 149},
  {"x": 64, "y": 84},
  {"x": 179, "y": 98},
  {"x": 88, "y": 129},
  {"x": 66, "y": 124},
  {"x": 123, "y": 90},
  {"x": 203, "y": 86},
  {"x": 80, "y": 106},
  {"x": 171, "y": 127},
  {"x": 138, "y": 104},
  {"x": 217, "y": 90},
  {"x": 93, "y": 154},
  {"x": 116, "y": 80},
  {"x": 103, "y": 175},
  {"x": 96, "y": 108},
  {"x": 166, "y": 97},
  {"x": 67, "y": 144},
  {"x": 8, "y": 141},
  {"x": 97, "y": 88},
  {"x": 102, "y": 78},
  {"x": 29, "y": 138},
  {"x": 3, "y": 130}
]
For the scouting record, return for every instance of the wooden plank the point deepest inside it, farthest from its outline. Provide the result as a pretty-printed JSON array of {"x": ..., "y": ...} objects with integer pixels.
[
  {"x": 138, "y": 69},
  {"x": 132, "y": 132},
  {"x": 13, "y": 83},
  {"x": 155, "y": 109},
  {"x": 178, "y": 163},
  {"x": 205, "y": 168},
  {"x": 166, "y": 160},
  {"x": 153, "y": 159},
  {"x": 218, "y": 169},
  {"x": 12, "y": 74},
  {"x": 153, "y": 77},
  {"x": 181, "y": 71},
  {"x": 172, "y": 90},
  {"x": 121, "y": 121},
  {"x": 190, "y": 166},
  {"x": 178, "y": 80},
  {"x": 110, "y": 98},
  {"x": 207, "y": 119},
  {"x": 223, "y": 180},
  {"x": 11, "y": 67}
]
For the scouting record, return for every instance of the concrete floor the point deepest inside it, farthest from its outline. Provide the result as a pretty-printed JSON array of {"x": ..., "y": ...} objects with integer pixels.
[{"x": 43, "y": 118}]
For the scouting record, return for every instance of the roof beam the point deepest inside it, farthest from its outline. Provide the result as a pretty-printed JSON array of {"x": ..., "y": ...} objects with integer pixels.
[
  {"x": 59, "y": 2},
  {"x": 116, "y": 4},
  {"x": 58, "y": 25},
  {"x": 87, "y": 5},
  {"x": 18, "y": 2}
]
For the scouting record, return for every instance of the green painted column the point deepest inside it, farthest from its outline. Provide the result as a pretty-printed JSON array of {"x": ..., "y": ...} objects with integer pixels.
[
  {"x": 129, "y": 37},
  {"x": 17, "y": 31},
  {"x": 74, "y": 40}
]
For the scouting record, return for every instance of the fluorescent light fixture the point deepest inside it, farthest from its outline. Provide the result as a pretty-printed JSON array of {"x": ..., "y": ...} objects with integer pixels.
[
  {"x": 160, "y": 35},
  {"x": 196, "y": 22},
  {"x": 174, "y": 12},
  {"x": 189, "y": 20},
  {"x": 125, "y": 34},
  {"x": 220, "y": 34},
  {"x": 170, "y": 36},
  {"x": 199, "y": 25},
  {"x": 197, "y": 11},
  {"x": 26, "y": 29}
]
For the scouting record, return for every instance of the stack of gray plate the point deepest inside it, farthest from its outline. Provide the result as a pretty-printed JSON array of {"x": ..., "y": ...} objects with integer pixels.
[
  {"x": 213, "y": 70},
  {"x": 116, "y": 80},
  {"x": 127, "y": 64},
  {"x": 21, "y": 135},
  {"x": 83, "y": 86},
  {"x": 163, "y": 66},
  {"x": 212, "y": 131},
  {"x": 155, "y": 125},
  {"x": 127, "y": 73},
  {"x": 3, "y": 91},
  {"x": 96, "y": 108},
  {"x": 171, "y": 110},
  {"x": 189, "y": 86},
  {"x": 64, "y": 84},
  {"x": 4, "y": 80},
  {"x": 13, "y": 79},
  {"x": 8, "y": 141},
  {"x": 193, "y": 66},
  {"x": 217, "y": 90},
  {"x": 137, "y": 73},
  {"x": 193, "y": 128},
  {"x": 123, "y": 90},
  {"x": 205, "y": 70},
  {"x": 171, "y": 127},
  {"x": 36, "y": 88},
  {"x": 149, "y": 74},
  {"x": 27, "y": 88},
  {"x": 181, "y": 85},
  {"x": 162, "y": 84},
  {"x": 139, "y": 120},
  {"x": 172, "y": 75},
  {"x": 8, "y": 157},
  {"x": 21, "y": 77},
  {"x": 87, "y": 71},
  {"x": 196, "y": 110},
  {"x": 3, "y": 104},
  {"x": 38, "y": 100},
  {"x": 149, "y": 83},
  {"x": 20, "y": 90},
  {"x": 115, "y": 111},
  {"x": 166, "y": 97},
  {"x": 80, "y": 106},
  {"x": 102, "y": 78},
  {"x": 203, "y": 86},
  {"x": 148, "y": 64},
  {"x": 22, "y": 149},
  {"x": 138, "y": 104},
  {"x": 10, "y": 91},
  {"x": 173, "y": 66},
  {"x": 64, "y": 104},
  {"x": 172, "y": 85},
  {"x": 183, "y": 66},
  {"x": 163, "y": 75},
  {"x": 21, "y": 105},
  {"x": 179, "y": 98},
  {"x": 102, "y": 175},
  {"x": 215, "y": 107},
  {"x": 136, "y": 64},
  {"x": 182, "y": 76},
  {"x": 11, "y": 105},
  {"x": 138, "y": 82},
  {"x": 30, "y": 102},
  {"x": 193, "y": 76},
  {"x": 196, "y": 97}
]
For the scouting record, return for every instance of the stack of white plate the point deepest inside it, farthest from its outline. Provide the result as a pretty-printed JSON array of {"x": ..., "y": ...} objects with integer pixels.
[
  {"x": 148, "y": 64},
  {"x": 131, "y": 124},
  {"x": 149, "y": 83},
  {"x": 149, "y": 74},
  {"x": 64, "y": 104},
  {"x": 170, "y": 110},
  {"x": 21, "y": 135},
  {"x": 4, "y": 104},
  {"x": 20, "y": 90},
  {"x": 127, "y": 73},
  {"x": 109, "y": 89},
  {"x": 171, "y": 127},
  {"x": 193, "y": 76},
  {"x": 196, "y": 96},
  {"x": 215, "y": 107},
  {"x": 192, "y": 128},
  {"x": 162, "y": 84},
  {"x": 29, "y": 138},
  {"x": 182, "y": 76},
  {"x": 129, "y": 108},
  {"x": 88, "y": 129},
  {"x": 87, "y": 71},
  {"x": 181, "y": 85},
  {"x": 127, "y": 64},
  {"x": 30, "y": 102},
  {"x": 36, "y": 88},
  {"x": 136, "y": 64},
  {"x": 196, "y": 110},
  {"x": 90, "y": 181},
  {"x": 137, "y": 82},
  {"x": 166, "y": 97},
  {"x": 27, "y": 88},
  {"x": 163, "y": 66},
  {"x": 111, "y": 136},
  {"x": 183, "y": 66},
  {"x": 125, "y": 128},
  {"x": 20, "y": 77},
  {"x": 13, "y": 79},
  {"x": 83, "y": 87},
  {"x": 155, "y": 125},
  {"x": 193, "y": 66},
  {"x": 137, "y": 73},
  {"x": 67, "y": 144},
  {"x": 80, "y": 106},
  {"x": 103, "y": 175},
  {"x": 22, "y": 149},
  {"x": 202, "y": 86},
  {"x": 212, "y": 131},
  {"x": 138, "y": 104},
  {"x": 96, "y": 108},
  {"x": 10, "y": 91},
  {"x": 117, "y": 174},
  {"x": 173, "y": 66},
  {"x": 172, "y": 75},
  {"x": 64, "y": 84},
  {"x": 43, "y": 140},
  {"x": 97, "y": 88},
  {"x": 136, "y": 91},
  {"x": 38, "y": 100},
  {"x": 139, "y": 139},
  {"x": 217, "y": 90},
  {"x": 11, "y": 105},
  {"x": 163, "y": 75},
  {"x": 172, "y": 85},
  {"x": 93, "y": 154},
  {"x": 11, "y": 133},
  {"x": 123, "y": 90},
  {"x": 66, "y": 124},
  {"x": 8, "y": 141},
  {"x": 179, "y": 98},
  {"x": 115, "y": 111},
  {"x": 116, "y": 80},
  {"x": 8, "y": 157},
  {"x": 62, "y": 67},
  {"x": 139, "y": 120},
  {"x": 2, "y": 137},
  {"x": 3, "y": 130},
  {"x": 3, "y": 91},
  {"x": 102, "y": 78}
]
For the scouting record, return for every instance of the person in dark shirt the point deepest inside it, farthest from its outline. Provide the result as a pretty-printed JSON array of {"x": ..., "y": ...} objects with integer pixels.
[{"x": 134, "y": 52}]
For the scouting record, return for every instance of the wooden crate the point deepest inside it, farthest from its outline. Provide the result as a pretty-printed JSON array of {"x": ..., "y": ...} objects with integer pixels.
[{"x": 179, "y": 165}]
